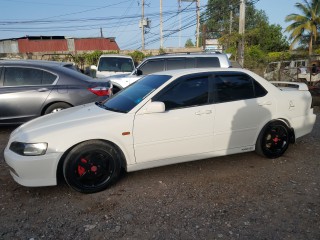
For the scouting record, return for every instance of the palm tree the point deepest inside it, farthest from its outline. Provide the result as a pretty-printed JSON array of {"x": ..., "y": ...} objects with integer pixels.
[{"x": 306, "y": 24}]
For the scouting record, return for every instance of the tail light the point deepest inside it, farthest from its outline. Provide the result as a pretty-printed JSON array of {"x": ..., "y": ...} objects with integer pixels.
[{"x": 101, "y": 91}]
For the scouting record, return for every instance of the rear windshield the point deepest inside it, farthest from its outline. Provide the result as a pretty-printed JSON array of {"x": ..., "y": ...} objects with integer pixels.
[{"x": 115, "y": 64}]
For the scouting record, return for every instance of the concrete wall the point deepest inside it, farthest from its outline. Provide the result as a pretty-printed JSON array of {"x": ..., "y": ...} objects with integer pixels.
[{"x": 9, "y": 46}]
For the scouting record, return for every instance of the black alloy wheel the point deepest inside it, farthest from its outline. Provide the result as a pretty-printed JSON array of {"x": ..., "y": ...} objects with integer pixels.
[
  {"x": 273, "y": 140},
  {"x": 91, "y": 166}
]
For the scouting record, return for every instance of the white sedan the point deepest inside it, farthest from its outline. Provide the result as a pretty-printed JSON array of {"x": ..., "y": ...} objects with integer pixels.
[{"x": 162, "y": 119}]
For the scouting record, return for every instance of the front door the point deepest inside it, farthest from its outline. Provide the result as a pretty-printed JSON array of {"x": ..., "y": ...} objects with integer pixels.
[{"x": 185, "y": 128}]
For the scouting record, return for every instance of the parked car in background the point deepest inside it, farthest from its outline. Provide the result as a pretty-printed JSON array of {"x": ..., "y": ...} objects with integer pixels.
[
  {"x": 315, "y": 92},
  {"x": 113, "y": 64},
  {"x": 171, "y": 62},
  {"x": 29, "y": 89},
  {"x": 164, "y": 118}
]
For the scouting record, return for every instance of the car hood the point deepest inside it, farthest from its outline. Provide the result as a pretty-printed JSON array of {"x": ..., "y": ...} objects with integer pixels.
[{"x": 79, "y": 115}]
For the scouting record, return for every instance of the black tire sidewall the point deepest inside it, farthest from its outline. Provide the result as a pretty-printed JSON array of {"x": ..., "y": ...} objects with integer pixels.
[
  {"x": 90, "y": 146},
  {"x": 259, "y": 144}
]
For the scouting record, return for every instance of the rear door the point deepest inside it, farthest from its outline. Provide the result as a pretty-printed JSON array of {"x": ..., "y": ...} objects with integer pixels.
[
  {"x": 23, "y": 92},
  {"x": 242, "y": 107}
]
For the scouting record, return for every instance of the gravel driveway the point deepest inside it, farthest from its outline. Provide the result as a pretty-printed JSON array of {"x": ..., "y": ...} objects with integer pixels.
[{"x": 242, "y": 196}]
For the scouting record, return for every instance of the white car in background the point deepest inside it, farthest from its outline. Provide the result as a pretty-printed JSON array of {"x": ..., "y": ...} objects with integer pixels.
[
  {"x": 165, "y": 118},
  {"x": 112, "y": 65}
]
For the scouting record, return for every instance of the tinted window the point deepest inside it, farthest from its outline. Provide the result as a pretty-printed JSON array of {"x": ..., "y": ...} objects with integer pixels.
[
  {"x": 190, "y": 62},
  {"x": 176, "y": 63},
  {"x": 127, "y": 99},
  {"x": 203, "y": 62},
  {"x": 232, "y": 88},
  {"x": 48, "y": 78},
  {"x": 185, "y": 93},
  {"x": 22, "y": 76},
  {"x": 259, "y": 90},
  {"x": 152, "y": 66},
  {"x": 115, "y": 64}
]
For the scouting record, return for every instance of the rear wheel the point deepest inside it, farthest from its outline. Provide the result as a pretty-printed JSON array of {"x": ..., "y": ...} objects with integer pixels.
[
  {"x": 91, "y": 166},
  {"x": 56, "y": 107},
  {"x": 273, "y": 140}
]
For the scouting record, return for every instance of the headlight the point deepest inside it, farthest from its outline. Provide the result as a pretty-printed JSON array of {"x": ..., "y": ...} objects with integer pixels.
[{"x": 29, "y": 149}]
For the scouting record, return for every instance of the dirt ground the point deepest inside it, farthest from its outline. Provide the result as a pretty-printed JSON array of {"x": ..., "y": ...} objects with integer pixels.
[{"x": 242, "y": 196}]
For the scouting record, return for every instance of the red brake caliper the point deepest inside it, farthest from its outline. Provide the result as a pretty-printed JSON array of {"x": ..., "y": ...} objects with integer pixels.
[
  {"x": 276, "y": 139},
  {"x": 82, "y": 170}
]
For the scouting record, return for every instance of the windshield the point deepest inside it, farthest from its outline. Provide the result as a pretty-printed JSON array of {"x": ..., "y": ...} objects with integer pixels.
[
  {"x": 128, "y": 98},
  {"x": 115, "y": 64}
]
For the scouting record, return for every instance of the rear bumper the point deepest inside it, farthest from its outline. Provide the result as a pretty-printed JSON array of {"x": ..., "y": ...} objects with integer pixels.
[{"x": 304, "y": 124}]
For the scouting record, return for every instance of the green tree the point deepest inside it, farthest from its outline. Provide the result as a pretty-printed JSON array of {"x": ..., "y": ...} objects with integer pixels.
[
  {"x": 305, "y": 24},
  {"x": 189, "y": 43},
  {"x": 217, "y": 17}
]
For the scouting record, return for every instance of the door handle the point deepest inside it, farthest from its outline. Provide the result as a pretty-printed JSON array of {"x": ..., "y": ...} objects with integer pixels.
[{"x": 203, "y": 112}]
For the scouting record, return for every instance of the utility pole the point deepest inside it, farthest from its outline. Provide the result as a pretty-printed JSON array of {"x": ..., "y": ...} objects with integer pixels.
[
  {"x": 179, "y": 10},
  {"x": 204, "y": 36},
  {"x": 101, "y": 33},
  {"x": 231, "y": 20},
  {"x": 161, "y": 33},
  {"x": 142, "y": 26},
  {"x": 198, "y": 21},
  {"x": 241, "y": 31}
]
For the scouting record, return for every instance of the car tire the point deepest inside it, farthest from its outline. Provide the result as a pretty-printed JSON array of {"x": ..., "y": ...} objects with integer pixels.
[
  {"x": 273, "y": 140},
  {"x": 92, "y": 166},
  {"x": 56, "y": 107}
]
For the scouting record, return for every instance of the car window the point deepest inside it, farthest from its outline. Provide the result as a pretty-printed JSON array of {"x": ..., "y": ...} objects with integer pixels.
[
  {"x": 203, "y": 62},
  {"x": 132, "y": 95},
  {"x": 48, "y": 78},
  {"x": 116, "y": 64},
  {"x": 15, "y": 76},
  {"x": 190, "y": 62},
  {"x": 152, "y": 66},
  {"x": 176, "y": 63},
  {"x": 232, "y": 87},
  {"x": 259, "y": 91},
  {"x": 186, "y": 93}
]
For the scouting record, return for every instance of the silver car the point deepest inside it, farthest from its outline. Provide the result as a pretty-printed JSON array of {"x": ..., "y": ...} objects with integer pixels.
[{"x": 29, "y": 89}]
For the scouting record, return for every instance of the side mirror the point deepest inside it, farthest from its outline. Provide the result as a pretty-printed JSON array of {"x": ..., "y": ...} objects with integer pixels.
[
  {"x": 139, "y": 72},
  {"x": 155, "y": 107}
]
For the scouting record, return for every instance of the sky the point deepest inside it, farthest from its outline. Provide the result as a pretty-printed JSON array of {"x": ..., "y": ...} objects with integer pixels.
[{"x": 116, "y": 18}]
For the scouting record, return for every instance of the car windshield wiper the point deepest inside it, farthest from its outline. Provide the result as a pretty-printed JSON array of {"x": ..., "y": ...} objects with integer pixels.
[{"x": 100, "y": 104}]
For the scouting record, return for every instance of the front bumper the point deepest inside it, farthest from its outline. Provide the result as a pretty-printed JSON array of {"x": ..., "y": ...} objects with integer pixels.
[{"x": 33, "y": 171}]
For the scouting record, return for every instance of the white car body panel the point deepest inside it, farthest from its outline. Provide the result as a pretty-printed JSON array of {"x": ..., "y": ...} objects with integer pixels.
[
  {"x": 125, "y": 81},
  {"x": 157, "y": 139},
  {"x": 178, "y": 138}
]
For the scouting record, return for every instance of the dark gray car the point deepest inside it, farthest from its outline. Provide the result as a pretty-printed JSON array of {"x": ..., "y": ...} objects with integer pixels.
[{"x": 29, "y": 89}]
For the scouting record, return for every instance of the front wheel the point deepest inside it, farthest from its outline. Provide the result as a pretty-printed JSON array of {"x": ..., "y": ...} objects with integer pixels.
[
  {"x": 91, "y": 166},
  {"x": 273, "y": 140}
]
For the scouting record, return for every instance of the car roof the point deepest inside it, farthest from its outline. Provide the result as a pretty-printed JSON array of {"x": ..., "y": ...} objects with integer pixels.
[
  {"x": 35, "y": 63},
  {"x": 115, "y": 55},
  {"x": 181, "y": 72},
  {"x": 186, "y": 55}
]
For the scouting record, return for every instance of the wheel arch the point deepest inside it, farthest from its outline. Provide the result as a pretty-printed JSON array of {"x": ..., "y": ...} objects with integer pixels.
[
  {"x": 285, "y": 121},
  {"x": 51, "y": 103},
  {"x": 59, "y": 171}
]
